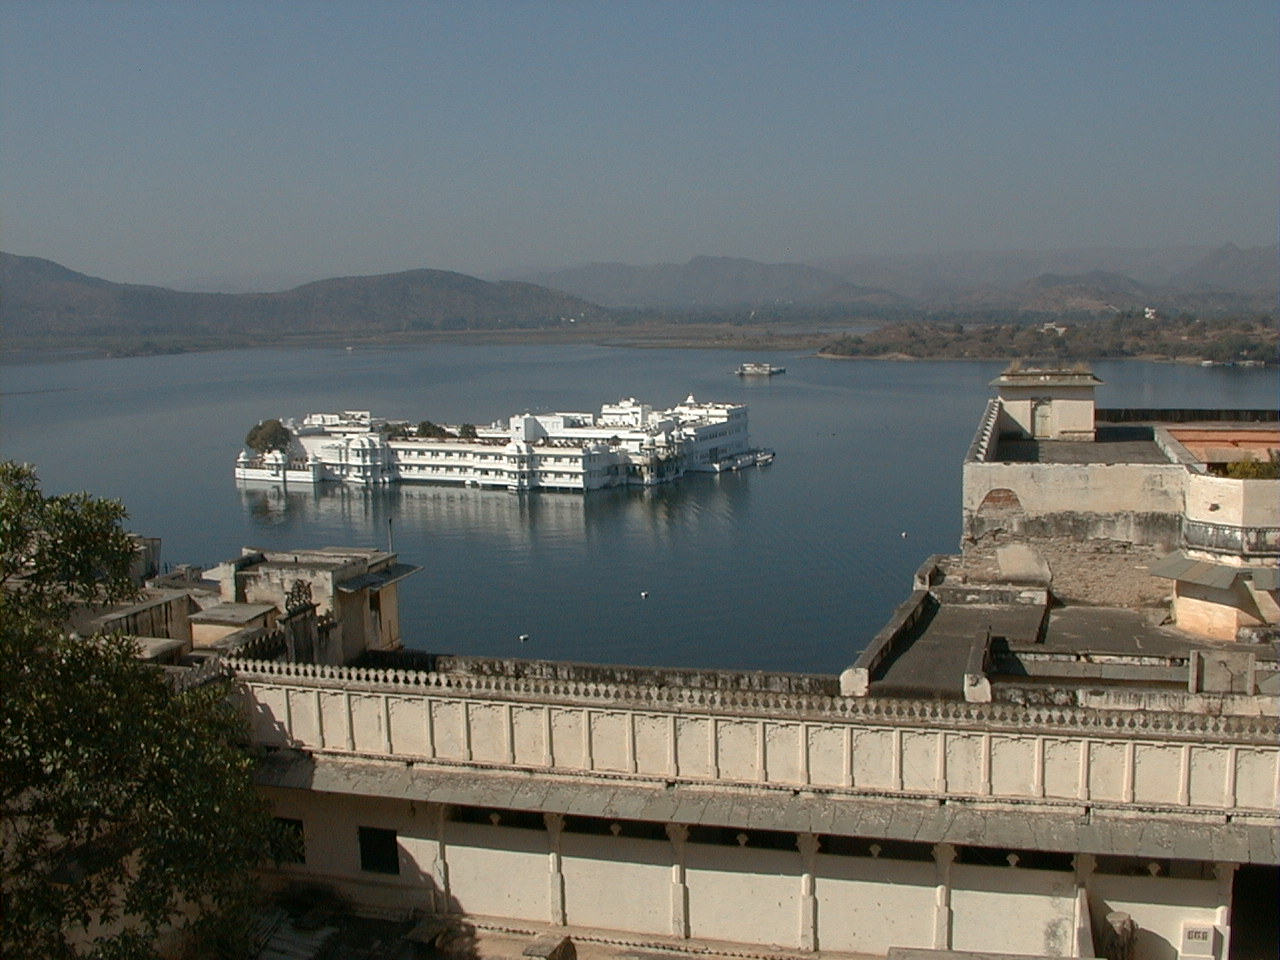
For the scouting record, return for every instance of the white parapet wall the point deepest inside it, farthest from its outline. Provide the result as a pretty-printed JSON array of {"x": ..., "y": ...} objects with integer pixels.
[{"x": 1067, "y": 755}]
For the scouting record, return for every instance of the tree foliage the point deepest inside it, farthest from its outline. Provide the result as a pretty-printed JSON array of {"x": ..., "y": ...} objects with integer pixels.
[
  {"x": 127, "y": 805},
  {"x": 268, "y": 435},
  {"x": 1252, "y": 469}
]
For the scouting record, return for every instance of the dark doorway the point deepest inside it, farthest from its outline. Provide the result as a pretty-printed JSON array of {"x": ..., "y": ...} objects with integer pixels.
[{"x": 1255, "y": 913}]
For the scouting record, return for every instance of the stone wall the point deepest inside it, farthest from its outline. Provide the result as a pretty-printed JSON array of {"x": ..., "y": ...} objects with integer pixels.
[
  {"x": 885, "y": 747},
  {"x": 1139, "y": 503},
  {"x": 163, "y": 617}
]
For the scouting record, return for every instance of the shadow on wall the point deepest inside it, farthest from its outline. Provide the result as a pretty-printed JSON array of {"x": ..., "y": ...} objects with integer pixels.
[
  {"x": 433, "y": 925},
  {"x": 316, "y": 912}
]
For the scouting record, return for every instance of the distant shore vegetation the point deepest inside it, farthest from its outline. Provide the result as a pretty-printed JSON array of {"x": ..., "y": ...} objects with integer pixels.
[
  {"x": 1127, "y": 334},
  {"x": 887, "y": 334}
]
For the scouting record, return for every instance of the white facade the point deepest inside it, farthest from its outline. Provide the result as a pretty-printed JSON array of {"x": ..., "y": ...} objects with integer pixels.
[
  {"x": 628, "y": 443},
  {"x": 797, "y": 821}
]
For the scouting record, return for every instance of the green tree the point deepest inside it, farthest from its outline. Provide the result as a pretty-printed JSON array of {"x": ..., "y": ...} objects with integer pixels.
[
  {"x": 467, "y": 432},
  {"x": 126, "y": 803},
  {"x": 268, "y": 435},
  {"x": 428, "y": 429},
  {"x": 1252, "y": 469}
]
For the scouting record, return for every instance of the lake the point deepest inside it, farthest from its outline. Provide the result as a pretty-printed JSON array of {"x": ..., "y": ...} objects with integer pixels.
[{"x": 793, "y": 566}]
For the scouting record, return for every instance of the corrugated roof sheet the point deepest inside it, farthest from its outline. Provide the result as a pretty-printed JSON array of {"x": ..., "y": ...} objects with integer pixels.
[
  {"x": 1178, "y": 566},
  {"x": 1266, "y": 578},
  {"x": 378, "y": 579}
]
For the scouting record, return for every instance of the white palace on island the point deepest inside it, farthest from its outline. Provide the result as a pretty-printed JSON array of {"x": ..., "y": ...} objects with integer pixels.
[{"x": 627, "y": 443}]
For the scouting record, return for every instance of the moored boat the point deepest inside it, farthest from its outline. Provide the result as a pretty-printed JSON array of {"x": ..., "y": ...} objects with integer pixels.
[{"x": 754, "y": 369}]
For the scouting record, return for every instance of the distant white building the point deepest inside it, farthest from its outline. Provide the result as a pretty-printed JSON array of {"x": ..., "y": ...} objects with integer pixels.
[{"x": 628, "y": 443}]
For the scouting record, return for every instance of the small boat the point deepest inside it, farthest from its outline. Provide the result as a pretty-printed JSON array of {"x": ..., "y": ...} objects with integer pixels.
[
  {"x": 749, "y": 458},
  {"x": 759, "y": 370}
]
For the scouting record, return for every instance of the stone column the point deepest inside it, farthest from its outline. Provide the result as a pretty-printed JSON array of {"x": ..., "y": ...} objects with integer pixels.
[
  {"x": 1225, "y": 873},
  {"x": 1084, "y": 864},
  {"x": 555, "y": 873},
  {"x": 944, "y": 854},
  {"x": 808, "y": 844},
  {"x": 678, "y": 834}
]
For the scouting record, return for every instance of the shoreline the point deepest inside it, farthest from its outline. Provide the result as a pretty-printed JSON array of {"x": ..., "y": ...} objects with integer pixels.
[{"x": 775, "y": 338}]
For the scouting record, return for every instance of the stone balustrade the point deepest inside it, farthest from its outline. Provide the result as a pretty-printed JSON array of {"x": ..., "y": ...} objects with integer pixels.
[
  {"x": 1071, "y": 756},
  {"x": 982, "y": 447}
]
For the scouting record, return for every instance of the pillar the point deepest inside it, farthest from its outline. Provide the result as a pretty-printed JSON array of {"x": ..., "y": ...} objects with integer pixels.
[
  {"x": 1084, "y": 864},
  {"x": 678, "y": 834},
  {"x": 944, "y": 854},
  {"x": 808, "y": 844},
  {"x": 1225, "y": 873},
  {"x": 555, "y": 872}
]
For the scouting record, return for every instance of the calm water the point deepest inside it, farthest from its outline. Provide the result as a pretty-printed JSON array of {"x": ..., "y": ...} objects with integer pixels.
[{"x": 789, "y": 567}]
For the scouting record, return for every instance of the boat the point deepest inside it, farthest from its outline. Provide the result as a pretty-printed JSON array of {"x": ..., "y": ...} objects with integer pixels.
[
  {"x": 759, "y": 370},
  {"x": 749, "y": 458}
]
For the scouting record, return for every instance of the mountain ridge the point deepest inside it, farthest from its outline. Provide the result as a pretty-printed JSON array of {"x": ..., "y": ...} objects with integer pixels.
[
  {"x": 41, "y": 297},
  {"x": 1211, "y": 277}
]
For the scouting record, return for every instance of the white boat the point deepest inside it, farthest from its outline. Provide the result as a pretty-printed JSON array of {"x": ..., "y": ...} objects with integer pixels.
[
  {"x": 759, "y": 370},
  {"x": 748, "y": 458}
]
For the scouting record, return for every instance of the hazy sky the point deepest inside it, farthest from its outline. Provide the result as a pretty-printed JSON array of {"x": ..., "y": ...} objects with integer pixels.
[{"x": 162, "y": 142}]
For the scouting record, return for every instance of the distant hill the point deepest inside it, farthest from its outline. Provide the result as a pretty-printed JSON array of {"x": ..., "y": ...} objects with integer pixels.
[
  {"x": 41, "y": 298},
  {"x": 709, "y": 282},
  {"x": 1093, "y": 292},
  {"x": 1255, "y": 270},
  {"x": 1251, "y": 276},
  {"x": 1093, "y": 279}
]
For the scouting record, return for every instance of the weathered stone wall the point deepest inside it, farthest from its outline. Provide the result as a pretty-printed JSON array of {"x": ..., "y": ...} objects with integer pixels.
[
  {"x": 1214, "y": 612},
  {"x": 1140, "y": 503},
  {"x": 1239, "y": 518},
  {"x": 165, "y": 617}
]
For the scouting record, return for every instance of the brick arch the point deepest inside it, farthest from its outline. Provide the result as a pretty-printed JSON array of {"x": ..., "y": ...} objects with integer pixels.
[{"x": 1000, "y": 502}]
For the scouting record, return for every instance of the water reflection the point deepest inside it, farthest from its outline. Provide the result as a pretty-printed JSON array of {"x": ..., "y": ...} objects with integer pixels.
[{"x": 698, "y": 502}]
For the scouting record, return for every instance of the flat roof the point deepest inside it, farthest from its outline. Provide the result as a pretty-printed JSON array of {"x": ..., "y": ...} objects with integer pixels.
[
  {"x": 236, "y": 614},
  {"x": 931, "y": 660},
  {"x": 1228, "y": 442},
  {"x": 1126, "y": 443},
  {"x": 1046, "y": 376}
]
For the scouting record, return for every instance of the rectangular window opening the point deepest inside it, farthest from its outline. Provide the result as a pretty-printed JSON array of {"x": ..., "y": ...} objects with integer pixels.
[
  {"x": 288, "y": 844},
  {"x": 379, "y": 851}
]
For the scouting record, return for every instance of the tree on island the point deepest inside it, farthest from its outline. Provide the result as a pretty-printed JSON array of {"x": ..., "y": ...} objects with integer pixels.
[
  {"x": 268, "y": 435},
  {"x": 126, "y": 804}
]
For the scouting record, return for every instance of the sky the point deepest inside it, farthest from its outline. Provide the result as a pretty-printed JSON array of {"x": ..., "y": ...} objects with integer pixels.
[{"x": 168, "y": 143}]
